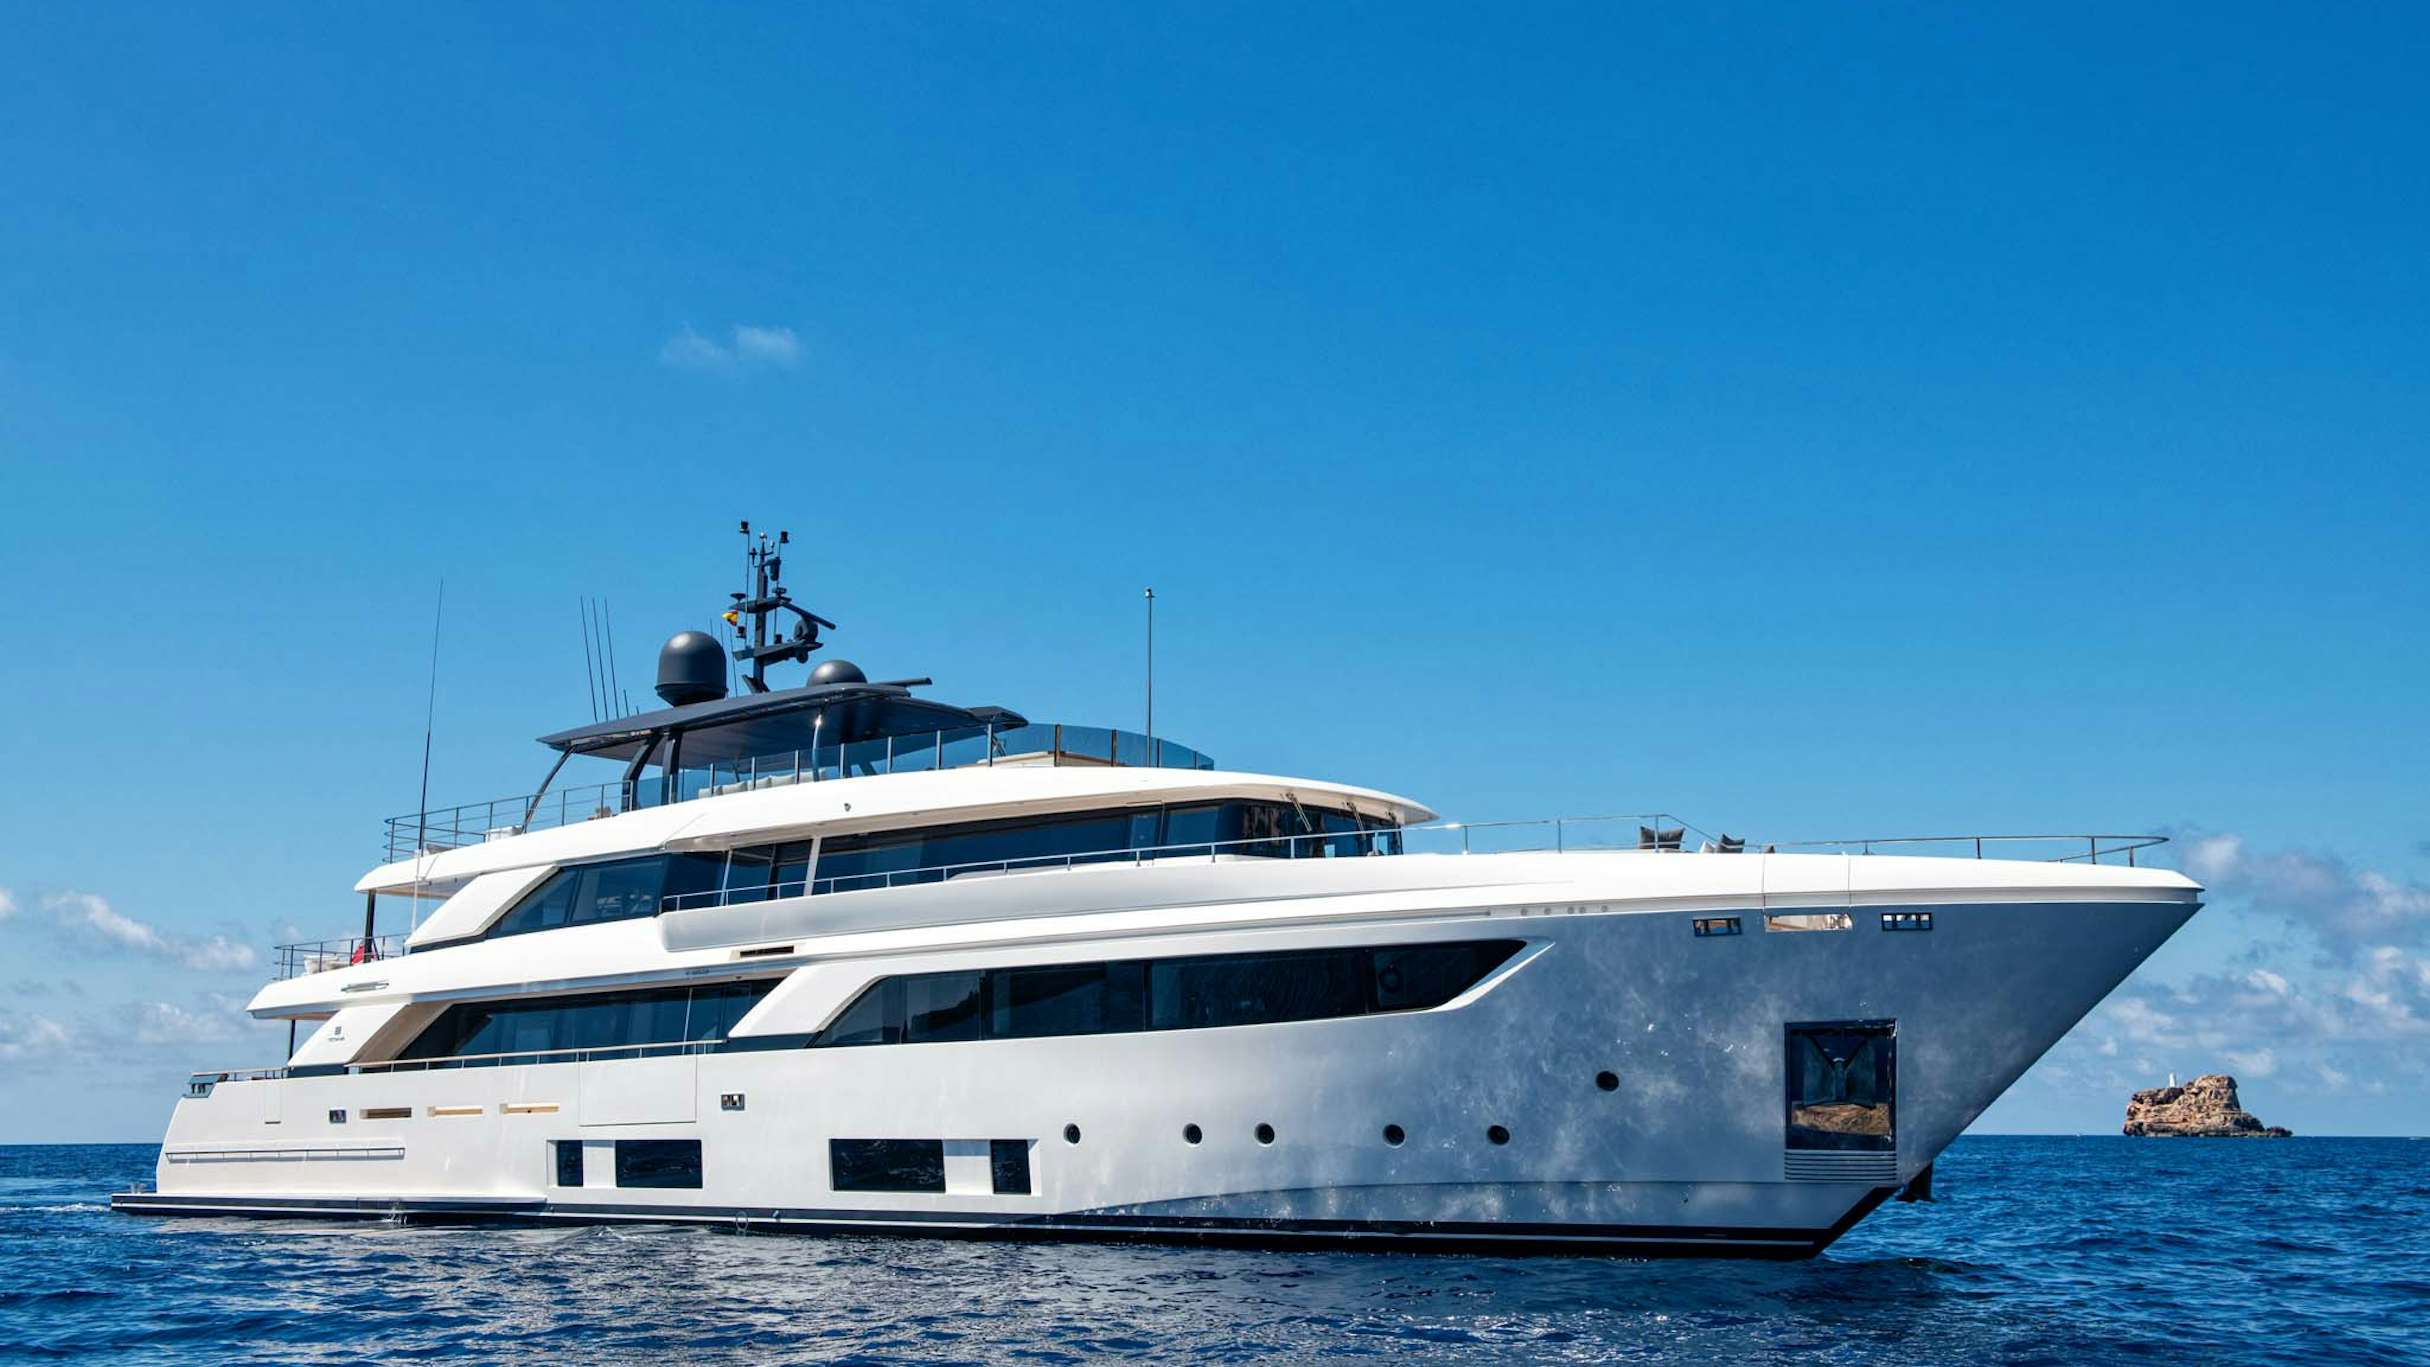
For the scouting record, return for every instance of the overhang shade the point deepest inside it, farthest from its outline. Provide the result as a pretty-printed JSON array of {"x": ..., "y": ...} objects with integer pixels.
[{"x": 779, "y": 722}]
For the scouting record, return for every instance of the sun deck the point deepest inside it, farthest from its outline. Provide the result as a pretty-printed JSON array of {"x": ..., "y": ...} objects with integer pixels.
[{"x": 1048, "y": 743}]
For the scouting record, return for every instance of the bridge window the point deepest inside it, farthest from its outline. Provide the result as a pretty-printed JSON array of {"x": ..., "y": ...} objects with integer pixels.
[{"x": 619, "y": 890}]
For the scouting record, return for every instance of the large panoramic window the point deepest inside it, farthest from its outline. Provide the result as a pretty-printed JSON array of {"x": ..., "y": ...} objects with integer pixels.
[
  {"x": 850, "y": 863},
  {"x": 1195, "y": 993},
  {"x": 1843, "y": 1085},
  {"x": 619, "y": 890},
  {"x": 595, "y": 1020}
]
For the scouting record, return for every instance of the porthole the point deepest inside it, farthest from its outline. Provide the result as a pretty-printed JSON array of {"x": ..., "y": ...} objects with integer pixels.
[
  {"x": 1497, "y": 1134},
  {"x": 1071, "y": 1134},
  {"x": 1265, "y": 1133},
  {"x": 1394, "y": 1134},
  {"x": 1191, "y": 1134},
  {"x": 1607, "y": 1080}
]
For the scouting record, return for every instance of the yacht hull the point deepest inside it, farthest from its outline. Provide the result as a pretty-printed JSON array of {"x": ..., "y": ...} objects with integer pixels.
[{"x": 1618, "y": 1087}]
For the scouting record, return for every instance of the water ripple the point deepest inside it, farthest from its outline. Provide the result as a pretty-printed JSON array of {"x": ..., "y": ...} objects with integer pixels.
[{"x": 2041, "y": 1251}]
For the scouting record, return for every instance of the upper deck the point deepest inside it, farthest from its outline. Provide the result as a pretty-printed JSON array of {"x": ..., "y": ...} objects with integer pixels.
[{"x": 1048, "y": 743}]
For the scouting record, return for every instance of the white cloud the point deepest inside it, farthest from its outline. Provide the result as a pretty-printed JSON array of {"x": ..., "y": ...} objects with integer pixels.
[
  {"x": 8, "y": 904},
  {"x": 93, "y": 915},
  {"x": 2347, "y": 911},
  {"x": 773, "y": 346},
  {"x": 30, "y": 1036},
  {"x": 166, "y": 1023},
  {"x": 751, "y": 347},
  {"x": 2336, "y": 1000}
]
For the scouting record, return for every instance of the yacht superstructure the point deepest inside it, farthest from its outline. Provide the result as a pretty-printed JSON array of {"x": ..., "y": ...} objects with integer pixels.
[{"x": 838, "y": 957}]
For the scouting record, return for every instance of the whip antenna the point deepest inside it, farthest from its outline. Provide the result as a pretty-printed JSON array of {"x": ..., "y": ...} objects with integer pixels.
[
  {"x": 430, "y": 714},
  {"x": 590, "y": 674}
]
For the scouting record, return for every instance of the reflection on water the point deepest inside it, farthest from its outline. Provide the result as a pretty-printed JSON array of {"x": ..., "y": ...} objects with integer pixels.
[{"x": 2048, "y": 1249}]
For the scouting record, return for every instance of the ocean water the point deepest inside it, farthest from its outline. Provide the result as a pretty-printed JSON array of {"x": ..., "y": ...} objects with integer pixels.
[{"x": 2040, "y": 1250}]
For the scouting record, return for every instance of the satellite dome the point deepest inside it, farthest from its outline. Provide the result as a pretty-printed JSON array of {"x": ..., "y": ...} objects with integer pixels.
[
  {"x": 837, "y": 672},
  {"x": 691, "y": 668}
]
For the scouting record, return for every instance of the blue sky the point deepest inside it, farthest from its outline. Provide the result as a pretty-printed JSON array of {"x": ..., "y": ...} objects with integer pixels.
[{"x": 1811, "y": 422}]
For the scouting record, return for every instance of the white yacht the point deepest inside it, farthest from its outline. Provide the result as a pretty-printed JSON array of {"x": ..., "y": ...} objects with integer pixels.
[{"x": 835, "y": 957}]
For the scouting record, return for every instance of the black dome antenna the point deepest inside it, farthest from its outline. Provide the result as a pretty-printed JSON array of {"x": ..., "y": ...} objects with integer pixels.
[{"x": 764, "y": 596}]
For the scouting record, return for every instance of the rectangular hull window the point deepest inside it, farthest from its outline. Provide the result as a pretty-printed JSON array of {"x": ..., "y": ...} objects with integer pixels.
[
  {"x": 1810, "y": 920},
  {"x": 1843, "y": 1086},
  {"x": 569, "y": 1162},
  {"x": 886, "y": 1164},
  {"x": 658, "y": 1162},
  {"x": 1008, "y": 1159}
]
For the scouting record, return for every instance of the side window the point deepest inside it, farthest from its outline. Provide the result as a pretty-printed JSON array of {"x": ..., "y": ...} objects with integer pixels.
[
  {"x": 1256, "y": 989},
  {"x": 569, "y": 1162},
  {"x": 1420, "y": 977},
  {"x": 1067, "y": 999},
  {"x": 941, "y": 1007},
  {"x": 543, "y": 908},
  {"x": 1843, "y": 1085},
  {"x": 618, "y": 892},
  {"x": 658, "y": 1162},
  {"x": 873, "y": 1018},
  {"x": 886, "y": 1164},
  {"x": 1008, "y": 1166}
]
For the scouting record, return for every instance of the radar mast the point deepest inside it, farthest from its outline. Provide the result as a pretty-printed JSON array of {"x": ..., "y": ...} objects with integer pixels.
[{"x": 763, "y": 597}]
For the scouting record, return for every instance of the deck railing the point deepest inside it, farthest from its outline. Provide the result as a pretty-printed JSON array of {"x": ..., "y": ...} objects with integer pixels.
[
  {"x": 470, "y": 823},
  {"x": 200, "y": 1084},
  {"x": 319, "y": 956},
  {"x": 1644, "y": 832}
]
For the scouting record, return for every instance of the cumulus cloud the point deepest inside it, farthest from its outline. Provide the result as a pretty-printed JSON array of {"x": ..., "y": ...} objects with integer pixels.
[
  {"x": 168, "y": 1023},
  {"x": 750, "y": 346},
  {"x": 2350, "y": 1001},
  {"x": 93, "y": 917},
  {"x": 2348, "y": 911},
  {"x": 26, "y": 1037}
]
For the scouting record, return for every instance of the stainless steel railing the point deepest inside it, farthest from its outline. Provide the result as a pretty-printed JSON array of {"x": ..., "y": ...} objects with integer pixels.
[
  {"x": 319, "y": 956},
  {"x": 200, "y": 1084},
  {"x": 470, "y": 823}
]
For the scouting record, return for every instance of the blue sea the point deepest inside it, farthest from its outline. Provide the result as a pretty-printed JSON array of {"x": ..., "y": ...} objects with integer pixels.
[{"x": 2039, "y": 1250}]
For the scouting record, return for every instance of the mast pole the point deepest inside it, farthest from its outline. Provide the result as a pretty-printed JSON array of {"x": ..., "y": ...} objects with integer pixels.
[{"x": 1151, "y": 677}]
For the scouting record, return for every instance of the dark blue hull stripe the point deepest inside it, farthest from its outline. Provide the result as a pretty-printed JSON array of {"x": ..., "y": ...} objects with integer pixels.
[{"x": 1498, "y": 1237}]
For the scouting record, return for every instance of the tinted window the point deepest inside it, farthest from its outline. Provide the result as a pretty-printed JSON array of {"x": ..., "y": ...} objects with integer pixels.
[
  {"x": 617, "y": 891},
  {"x": 1843, "y": 1080},
  {"x": 1242, "y": 989},
  {"x": 1163, "y": 994},
  {"x": 875, "y": 1017},
  {"x": 569, "y": 1162},
  {"x": 850, "y": 863},
  {"x": 658, "y": 1162},
  {"x": 1419, "y": 977},
  {"x": 1008, "y": 1162},
  {"x": 1067, "y": 999},
  {"x": 886, "y": 1164},
  {"x": 594, "y": 1020},
  {"x": 940, "y": 1007}
]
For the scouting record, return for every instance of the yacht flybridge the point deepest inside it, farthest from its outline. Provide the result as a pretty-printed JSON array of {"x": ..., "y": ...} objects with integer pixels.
[{"x": 839, "y": 957}]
